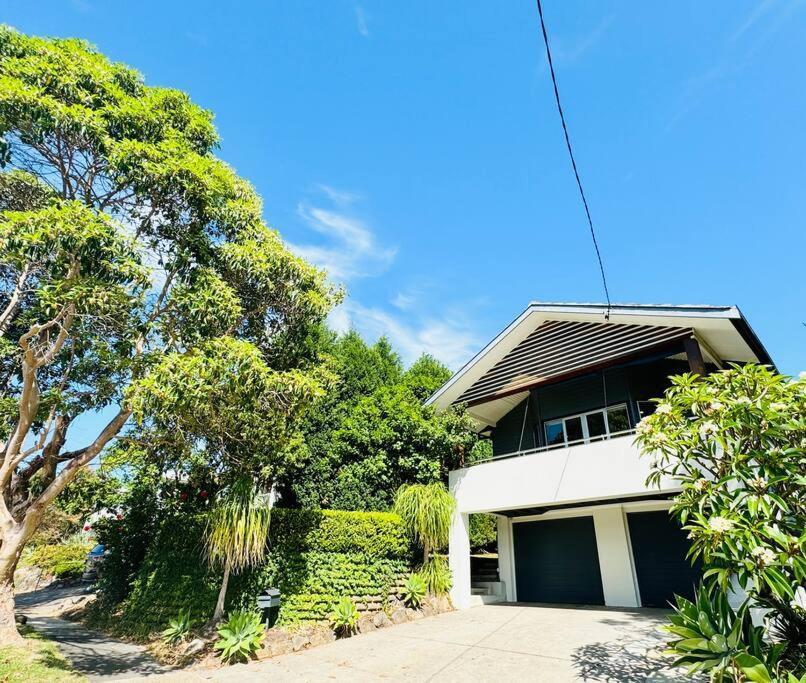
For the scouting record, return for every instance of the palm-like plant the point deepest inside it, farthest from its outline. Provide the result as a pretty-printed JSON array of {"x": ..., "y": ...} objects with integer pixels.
[
  {"x": 236, "y": 533},
  {"x": 426, "y": 510}
]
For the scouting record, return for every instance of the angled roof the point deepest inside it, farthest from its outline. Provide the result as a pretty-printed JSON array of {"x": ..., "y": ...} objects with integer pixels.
[{"x": 549, "y": 341}]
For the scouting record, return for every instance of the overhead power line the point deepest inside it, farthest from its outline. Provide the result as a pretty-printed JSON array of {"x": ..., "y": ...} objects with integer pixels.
[{"x": 571, "y": 154}]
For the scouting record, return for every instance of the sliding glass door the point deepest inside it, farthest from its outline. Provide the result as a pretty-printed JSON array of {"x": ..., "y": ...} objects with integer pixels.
[{"x": 586, "y": 427}]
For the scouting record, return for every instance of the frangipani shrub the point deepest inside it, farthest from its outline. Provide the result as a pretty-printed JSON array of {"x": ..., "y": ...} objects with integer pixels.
[{"x": 736, "y": 440}]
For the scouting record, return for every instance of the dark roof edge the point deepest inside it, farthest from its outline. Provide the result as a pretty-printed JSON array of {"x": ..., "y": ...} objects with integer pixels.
[{"x": 752, "y": 340}]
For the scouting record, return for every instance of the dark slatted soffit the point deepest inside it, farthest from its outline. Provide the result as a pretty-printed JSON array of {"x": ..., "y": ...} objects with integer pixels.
[{"x": 563, "y": 347}]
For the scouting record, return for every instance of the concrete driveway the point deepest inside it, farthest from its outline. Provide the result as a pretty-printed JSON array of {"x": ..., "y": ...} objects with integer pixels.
[{"x": 508, "y": 642}]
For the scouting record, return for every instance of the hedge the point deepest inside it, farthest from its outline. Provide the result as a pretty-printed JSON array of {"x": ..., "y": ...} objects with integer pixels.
[
  {"x": 61, "y": 560},
  {"x": 314, "y": 558}
]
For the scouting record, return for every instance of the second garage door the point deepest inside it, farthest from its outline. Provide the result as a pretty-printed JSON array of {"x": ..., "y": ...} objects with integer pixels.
[
  {"x": 659, "y": 548},
  {"x": 556, "y": 561}
]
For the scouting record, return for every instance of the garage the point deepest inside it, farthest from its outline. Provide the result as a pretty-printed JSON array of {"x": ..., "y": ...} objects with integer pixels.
[
  {"x": 556, "y": 561},
  {"x": 659, "y": 548}
]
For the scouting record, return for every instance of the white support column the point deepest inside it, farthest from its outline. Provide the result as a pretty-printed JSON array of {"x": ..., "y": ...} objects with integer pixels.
[
  {"x": 506, "y": 567},
  {"x": 613, "y": 545},
  {"x": 459, "y": 558}
]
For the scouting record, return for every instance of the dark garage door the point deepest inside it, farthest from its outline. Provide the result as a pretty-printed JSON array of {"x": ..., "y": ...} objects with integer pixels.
[
  {"x": 659, "y": 548},
  {"x": 556, "y": 561}
]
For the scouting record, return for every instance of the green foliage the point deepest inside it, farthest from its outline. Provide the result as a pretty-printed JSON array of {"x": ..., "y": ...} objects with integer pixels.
[
  {"x": 315, "y": 557},
  {"x": 708, "y": 635},
  {"x": 437, "y": 574},
  {"x": 178, "y": 629},
  {"x": 63, "y": 560},
  {"x": 239, "y": 637},
  {"x": 238, "y": 527},
  {"x": 426, "y": 510},
  {"x": 483, "y": 532},
  {"x": 414, "y": 590},
  {"x": 140, "y": 275},
  {"x": 737, "y": 442},
  {"x": 425, "y": 376},
  {"x": 37, "y": 660},
  {"x": 372, "y": 432},
  {"x": 91, "y": 491},
  {"x": 344, "y": 618}
]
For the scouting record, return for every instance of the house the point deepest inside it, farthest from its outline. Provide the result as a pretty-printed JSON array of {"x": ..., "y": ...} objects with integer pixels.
[{"x": 560, "y": 392}]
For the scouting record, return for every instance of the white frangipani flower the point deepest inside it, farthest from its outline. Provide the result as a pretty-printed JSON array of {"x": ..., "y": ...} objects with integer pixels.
[
  {"x": 763, "y": 556},
  {"x": 708, "y": 428},
  {"x": 720, "y": 524}
]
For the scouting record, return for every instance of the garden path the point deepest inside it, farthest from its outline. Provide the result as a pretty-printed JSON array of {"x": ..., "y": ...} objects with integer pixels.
[{"x": 93, "y": 654}]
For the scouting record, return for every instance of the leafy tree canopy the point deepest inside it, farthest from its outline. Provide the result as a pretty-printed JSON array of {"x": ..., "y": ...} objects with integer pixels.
[
  {"x": 372, "y": 433},
  {"x": 136, "y": 271}
]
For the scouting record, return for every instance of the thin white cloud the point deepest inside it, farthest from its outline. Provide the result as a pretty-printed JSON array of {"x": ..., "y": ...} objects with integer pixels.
[
  {"x": 754, "y": 16},
  {"x": 350, "y": 248},
  {"x": 404, "y": 301},
  {"x": 361, "y": 21},
  {"x": 566, "y": 52},
  {"x": 339, "y": 197},
  {"x": 448, "y": 338},
  {"x": 739, "y": 49}
]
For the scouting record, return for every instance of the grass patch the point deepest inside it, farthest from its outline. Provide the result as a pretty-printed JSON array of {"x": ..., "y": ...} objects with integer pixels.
[{"x": 37, "y": 660}]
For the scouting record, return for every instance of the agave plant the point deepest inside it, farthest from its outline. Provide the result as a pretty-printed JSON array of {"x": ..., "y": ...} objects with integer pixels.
[
  {"x": 344, "y": 619},
  {"x": 240, "y": 636},
  {"x": 414, "y": 590},
  {"x": 710, "y": 636},
  {"x": 178, "y": 628}
]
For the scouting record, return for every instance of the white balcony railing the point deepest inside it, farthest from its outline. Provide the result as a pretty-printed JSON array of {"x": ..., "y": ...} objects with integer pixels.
[{"x": 554, "y": 447}]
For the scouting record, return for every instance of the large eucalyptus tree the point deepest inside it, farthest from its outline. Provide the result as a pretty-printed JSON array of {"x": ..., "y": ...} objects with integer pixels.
[{"x": 136, "y": 275}]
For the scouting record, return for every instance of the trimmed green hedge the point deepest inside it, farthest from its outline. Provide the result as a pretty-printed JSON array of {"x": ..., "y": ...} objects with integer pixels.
[
  {"x": 62, "y": 560},
  {"x": 315, "y": 557}
]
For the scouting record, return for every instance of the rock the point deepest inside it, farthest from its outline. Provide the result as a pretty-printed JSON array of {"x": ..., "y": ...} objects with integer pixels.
[
  {"x": 322, "y": 636},
  {"x": 299, "y": 641},
  {"x": 427, "y": 610},
  {"x": 21, "y": 619},
  {"x": 194, "y": 647},
  {"x": 399, "y": 616},
  {"x": 277, "y": 642},
  {"x": 366, "y": 623},
  {"x": 443, "y": 604},
  {"x": 380, "y": 620}
]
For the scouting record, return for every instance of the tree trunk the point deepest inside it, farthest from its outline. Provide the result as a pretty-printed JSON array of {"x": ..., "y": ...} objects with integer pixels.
[
  {"x": 426, "y": 553},
  {"x": 10, "y": 550},
  {"x": 219, "y": 606}
]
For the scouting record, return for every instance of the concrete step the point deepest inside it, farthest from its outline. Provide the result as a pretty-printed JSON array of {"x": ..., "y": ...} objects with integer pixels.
[{"x": 479, "y": 600}]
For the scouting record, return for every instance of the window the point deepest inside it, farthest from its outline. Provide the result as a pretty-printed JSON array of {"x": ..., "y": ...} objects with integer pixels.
[{"x": 592, "y": 426}]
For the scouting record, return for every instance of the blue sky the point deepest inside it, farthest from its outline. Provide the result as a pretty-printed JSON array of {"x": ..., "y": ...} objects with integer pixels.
[{"x": 414, "y": 148}]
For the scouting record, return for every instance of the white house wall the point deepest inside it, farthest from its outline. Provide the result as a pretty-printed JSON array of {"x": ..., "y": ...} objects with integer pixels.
[
  {"x": 587, "y": 472},
  {"x": 599, "y": 471}
]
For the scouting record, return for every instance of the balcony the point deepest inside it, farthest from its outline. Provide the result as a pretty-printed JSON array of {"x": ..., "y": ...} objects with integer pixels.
[{"x": 608, "y": 467}]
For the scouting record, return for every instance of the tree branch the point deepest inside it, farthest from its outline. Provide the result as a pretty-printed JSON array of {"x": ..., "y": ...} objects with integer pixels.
[{"x": 14, "y": 302}]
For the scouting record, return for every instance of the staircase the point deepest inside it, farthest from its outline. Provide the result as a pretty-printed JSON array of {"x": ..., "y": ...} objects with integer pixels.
[{"x": 485, "y": 584}]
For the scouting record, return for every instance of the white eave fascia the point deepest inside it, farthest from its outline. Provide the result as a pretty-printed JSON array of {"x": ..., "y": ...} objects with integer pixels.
[{"x": 664, "y": 310}]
